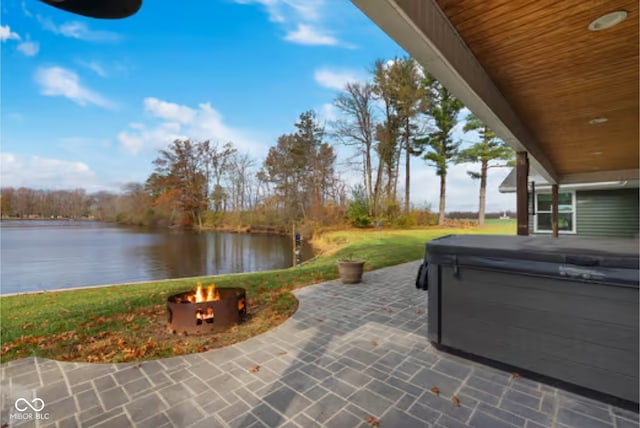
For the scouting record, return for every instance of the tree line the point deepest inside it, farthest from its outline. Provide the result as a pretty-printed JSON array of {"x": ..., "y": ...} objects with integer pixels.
[{"x": 400, "y": 113}]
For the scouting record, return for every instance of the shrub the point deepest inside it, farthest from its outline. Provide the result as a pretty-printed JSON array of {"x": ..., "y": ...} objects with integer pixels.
[{"x": 358, "y": 208}]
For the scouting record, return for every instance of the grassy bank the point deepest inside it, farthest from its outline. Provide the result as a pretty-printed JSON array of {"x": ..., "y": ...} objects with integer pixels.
[{"x": 127, "y": 322}]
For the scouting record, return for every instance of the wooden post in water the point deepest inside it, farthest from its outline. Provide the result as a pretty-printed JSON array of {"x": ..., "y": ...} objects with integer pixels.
[{"x": 293, "y": 242}]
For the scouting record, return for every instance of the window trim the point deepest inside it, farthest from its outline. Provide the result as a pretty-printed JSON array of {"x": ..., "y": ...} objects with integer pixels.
[{"x": 574, "y": 229}]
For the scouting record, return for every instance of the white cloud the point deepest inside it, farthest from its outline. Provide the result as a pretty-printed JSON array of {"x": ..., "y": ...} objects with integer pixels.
[
  {"x": 131, "y": 143},
  {"x": 29, "y": 48},
  {"x": 26, "y": 47},
  {"x": 333, "y": 79},
  {"x": 135, "y": 140},
  {"x": 38, "y": 172},
  {"x": 273, "y": 8},
  {"x": 169, "y": 111},
  {"x": 7, "y": 34},
  {"x": 58, "y": 81},
  {"x": 302, "y": 20},
  {"x": 307, "y": 9},
  {"x": 306, "y": 34},
  {"x": 95, "y": 67},
  {"x": 329, "y": 112},
  {"x": 78, "y": 30},
  {"x": 26, "y": 11},
  {"x": 286, "y": 10},
  {"x": 174, "y": 121}
]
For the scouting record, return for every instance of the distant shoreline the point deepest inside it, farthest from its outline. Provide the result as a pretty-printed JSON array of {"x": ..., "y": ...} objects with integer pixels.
[{"x": 223, "y": 228}]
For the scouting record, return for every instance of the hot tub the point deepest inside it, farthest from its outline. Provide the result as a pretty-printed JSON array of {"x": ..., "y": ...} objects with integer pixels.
[{"x": 565, "y": 308}]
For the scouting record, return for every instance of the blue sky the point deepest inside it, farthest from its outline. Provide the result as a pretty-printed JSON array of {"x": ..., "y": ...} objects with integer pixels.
[{"x": 88, "y": 103}]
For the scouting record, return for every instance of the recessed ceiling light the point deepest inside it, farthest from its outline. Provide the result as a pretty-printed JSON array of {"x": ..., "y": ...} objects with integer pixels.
[
  {"x": 607, "y": 21},
  {"x": 598, "y": 120}
]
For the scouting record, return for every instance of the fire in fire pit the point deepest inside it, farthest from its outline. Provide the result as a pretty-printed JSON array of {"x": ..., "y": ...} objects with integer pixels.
[{"x": 203, "y": 311}]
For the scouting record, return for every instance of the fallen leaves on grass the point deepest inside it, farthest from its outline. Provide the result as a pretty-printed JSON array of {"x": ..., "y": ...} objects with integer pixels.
[
  {"x": 143, "y": 335},
  {"x": 373, "y": 422},
  {"x": 24, "y": 341},
  {"x": 435, "y": 390}
]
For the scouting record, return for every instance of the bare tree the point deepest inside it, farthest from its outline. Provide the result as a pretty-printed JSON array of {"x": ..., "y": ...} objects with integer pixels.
[
  {"x": 217, "y": 162},
  {"x": 240, "y": 169},
  {"x": 358, "y": 129}
]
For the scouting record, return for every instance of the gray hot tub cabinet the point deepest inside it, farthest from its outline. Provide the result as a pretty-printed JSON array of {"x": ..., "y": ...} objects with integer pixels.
[{"x": 566, "y": 308}]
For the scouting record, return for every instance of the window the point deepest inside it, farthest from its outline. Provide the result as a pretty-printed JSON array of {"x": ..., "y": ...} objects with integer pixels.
[{"x": 566, "y": 212}]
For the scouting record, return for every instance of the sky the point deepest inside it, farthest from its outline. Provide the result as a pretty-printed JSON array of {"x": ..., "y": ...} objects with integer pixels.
[{"x": 88, "y": 103}]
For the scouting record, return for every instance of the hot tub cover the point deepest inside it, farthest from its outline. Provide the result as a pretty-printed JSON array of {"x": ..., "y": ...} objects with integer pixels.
[{"x": 610, "y": 261}]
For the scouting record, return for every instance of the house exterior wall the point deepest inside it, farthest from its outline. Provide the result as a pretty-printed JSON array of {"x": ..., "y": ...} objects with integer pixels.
[
  {"x": 608, "y": 213},
  {"x": 602, "y": 213}
]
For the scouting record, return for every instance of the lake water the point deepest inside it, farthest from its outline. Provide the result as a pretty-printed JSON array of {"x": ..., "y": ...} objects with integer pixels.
[{"x": 48, "y": 255}]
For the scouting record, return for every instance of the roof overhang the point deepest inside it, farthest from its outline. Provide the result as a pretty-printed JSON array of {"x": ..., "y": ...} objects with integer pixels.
[
  {"x": 426, "y": 32},
  {"x": 508, "y": 185}
]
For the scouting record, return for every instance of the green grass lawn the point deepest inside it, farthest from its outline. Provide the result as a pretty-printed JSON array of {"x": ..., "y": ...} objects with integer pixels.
[
  {"x": 496, "y": 222},
  {"x": 127, "y": 322}
]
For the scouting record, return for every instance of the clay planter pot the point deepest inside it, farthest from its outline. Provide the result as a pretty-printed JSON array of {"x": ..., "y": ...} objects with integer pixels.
[{"x": 351, "y": 271}]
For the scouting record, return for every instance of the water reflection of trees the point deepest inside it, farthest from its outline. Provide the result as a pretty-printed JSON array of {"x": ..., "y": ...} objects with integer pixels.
[
  {"x": 184, "y": 254},
  {"x": 45, "y": 255}
]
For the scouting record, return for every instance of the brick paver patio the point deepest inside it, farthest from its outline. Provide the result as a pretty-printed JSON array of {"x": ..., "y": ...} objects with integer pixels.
[{"x": 348, "y": 354}]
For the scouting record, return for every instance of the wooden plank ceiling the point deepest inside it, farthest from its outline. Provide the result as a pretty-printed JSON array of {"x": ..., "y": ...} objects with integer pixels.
[{"x": 557, "y": 75}]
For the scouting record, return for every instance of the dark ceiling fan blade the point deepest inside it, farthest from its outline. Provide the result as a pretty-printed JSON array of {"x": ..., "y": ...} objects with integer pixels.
[{"x": 102, "y": 9}]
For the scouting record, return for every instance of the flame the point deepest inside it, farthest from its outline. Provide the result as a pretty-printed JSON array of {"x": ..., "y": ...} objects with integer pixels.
[
  {"x": 211, "y": 296},
  {"x": 199, "y": 293},
  {"x": 212, "y": 293},
  {"x": 201, "y": 315}
]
